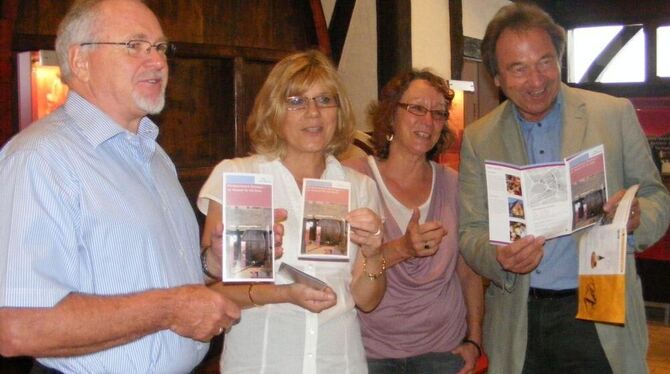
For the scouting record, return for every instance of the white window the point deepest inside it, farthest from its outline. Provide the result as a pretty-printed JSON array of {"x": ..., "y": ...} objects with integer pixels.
[
  {"x": 587, "y": 44},
  {"x": 663, "y": 51}
]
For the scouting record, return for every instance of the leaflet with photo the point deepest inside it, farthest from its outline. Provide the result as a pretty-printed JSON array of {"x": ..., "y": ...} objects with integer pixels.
[
  {"x": 248, "y": 218},
  {"x": 299, "y": 276},
  {"x": 602, "y": 266},
  {"x": 550, "y": 199},
  {"x": 325, "y": 231}
]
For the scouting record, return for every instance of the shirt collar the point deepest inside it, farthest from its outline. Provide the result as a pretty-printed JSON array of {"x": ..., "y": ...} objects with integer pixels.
[
  {"x": 97, "y": 126},
  {"x": 554, "y": 115}
]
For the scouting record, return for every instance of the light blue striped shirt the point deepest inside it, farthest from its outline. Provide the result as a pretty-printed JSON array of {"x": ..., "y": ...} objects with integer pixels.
[
  {"x": 91, "y": 208},
  {"x": 559, "y": 266}
]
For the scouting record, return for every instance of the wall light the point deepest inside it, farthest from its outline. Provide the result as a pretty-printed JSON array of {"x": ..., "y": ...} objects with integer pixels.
[{"x": 40, "y": 88}]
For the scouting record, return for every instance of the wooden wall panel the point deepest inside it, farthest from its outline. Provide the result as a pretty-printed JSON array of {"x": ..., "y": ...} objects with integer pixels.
[
  {"x": 199, "y": 115},
  {"x": 249, "y": 77},
  {"x": 40, "y": 17}
]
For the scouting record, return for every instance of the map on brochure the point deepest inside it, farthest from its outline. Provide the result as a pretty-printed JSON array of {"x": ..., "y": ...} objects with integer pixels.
[
  {"x": 248, "y": 218},
  {"x": 550, "y": 200},
  {"x": 325, "y": 232}
]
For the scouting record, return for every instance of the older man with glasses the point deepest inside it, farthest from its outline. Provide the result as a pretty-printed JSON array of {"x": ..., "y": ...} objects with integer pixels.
[{"x": 100, "y": 268}]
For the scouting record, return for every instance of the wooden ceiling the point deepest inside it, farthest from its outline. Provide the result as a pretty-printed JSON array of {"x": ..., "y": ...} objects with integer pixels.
[{"x": 570, "y": 13}]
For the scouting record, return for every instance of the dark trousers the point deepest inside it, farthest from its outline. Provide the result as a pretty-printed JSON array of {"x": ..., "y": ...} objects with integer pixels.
[
  {"x": 560, "y": 343},
  {"x": 41, "y": 369},
  {"x": 442, "y": 362}
]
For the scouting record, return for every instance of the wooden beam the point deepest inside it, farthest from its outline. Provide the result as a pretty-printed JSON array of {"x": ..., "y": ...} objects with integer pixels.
[
  {"x": 339, "y": 26},
  {"x": 394, "y": 39},
  {"x": 456, "y": 35},
  {"x": 320, "y": 26}
]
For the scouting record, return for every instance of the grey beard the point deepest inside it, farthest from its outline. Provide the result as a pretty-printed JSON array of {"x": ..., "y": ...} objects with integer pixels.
[{"x": 150, "y": 106}]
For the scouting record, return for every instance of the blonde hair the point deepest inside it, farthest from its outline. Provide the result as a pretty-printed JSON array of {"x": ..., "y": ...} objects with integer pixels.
[{"x": 293, "y": 76}]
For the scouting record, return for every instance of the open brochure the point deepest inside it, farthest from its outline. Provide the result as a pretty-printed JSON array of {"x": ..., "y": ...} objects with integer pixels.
[
  {"x": 248, "y": 219},
  {"x": 550, "y": 199},
  {"x": 602, "y": 266},
  {"x": 325, "y": 232}
]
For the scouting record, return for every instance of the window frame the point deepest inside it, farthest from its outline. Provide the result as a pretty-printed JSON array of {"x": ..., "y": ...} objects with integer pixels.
[{"x": 653, "y": 85}]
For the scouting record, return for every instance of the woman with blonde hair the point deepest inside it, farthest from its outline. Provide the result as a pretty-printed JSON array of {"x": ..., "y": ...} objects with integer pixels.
[{"x": 302, "y": 118}]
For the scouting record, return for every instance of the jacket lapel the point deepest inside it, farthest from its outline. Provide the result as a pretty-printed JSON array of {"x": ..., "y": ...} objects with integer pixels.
[{"x": 574, "y": 122}]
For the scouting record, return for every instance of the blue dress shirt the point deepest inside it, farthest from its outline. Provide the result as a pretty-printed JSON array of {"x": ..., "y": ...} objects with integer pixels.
[
  {"x": 88, "y": 207},
  {"x": 559, "y": 266}
]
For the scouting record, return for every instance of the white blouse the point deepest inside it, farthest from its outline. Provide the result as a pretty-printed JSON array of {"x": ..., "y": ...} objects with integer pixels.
[{"x": 285, "y": 338}]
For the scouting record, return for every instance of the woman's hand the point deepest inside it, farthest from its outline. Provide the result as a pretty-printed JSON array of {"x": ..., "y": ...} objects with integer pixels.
[
  {"x": 278, "y": 230},
  {"x": 216, "y": 239},
  {"x": 366, "y": 231},
  {"x": 470, "y": 355},
  {"x": 309, "y": 298},
  {"x": 422, "y": 240}
]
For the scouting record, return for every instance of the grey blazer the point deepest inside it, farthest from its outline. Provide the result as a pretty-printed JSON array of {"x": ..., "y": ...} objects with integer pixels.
[{"x": 589, "y": 119}]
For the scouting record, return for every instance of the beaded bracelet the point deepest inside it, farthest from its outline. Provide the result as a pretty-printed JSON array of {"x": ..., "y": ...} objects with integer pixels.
[
  {"x": 374, "y": 276},
  {"x": 479, "y": 349},
  {"x": 203, "y": 263}
]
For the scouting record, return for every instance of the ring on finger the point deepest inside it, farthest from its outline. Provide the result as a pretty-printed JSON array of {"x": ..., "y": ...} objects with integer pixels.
[{"x": 220, "y": 331}]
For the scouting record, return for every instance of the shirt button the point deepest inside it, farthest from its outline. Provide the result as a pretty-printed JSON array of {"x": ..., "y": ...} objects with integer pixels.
[
  {"x": 541, "y": 151},
  {"x": 539, "y": 124},
  {"x": 538, "y": 271},
  {"x": 311, "y": 332}
]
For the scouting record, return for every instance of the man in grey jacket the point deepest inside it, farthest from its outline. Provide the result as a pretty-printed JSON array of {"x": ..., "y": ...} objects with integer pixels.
[{"x": 530, "y": 324}]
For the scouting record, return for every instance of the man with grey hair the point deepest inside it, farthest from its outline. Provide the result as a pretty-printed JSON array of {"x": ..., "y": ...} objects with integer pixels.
[
  {"x": 99, "y": 247},
  {"x": 530, "y": 324}
]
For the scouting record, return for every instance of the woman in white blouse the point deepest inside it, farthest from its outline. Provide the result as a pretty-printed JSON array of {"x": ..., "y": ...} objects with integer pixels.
[{"x": 300, "y": 120}]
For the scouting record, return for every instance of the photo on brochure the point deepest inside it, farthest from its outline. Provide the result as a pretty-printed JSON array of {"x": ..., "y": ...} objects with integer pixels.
[
  {"x": 325, "y": 232},
  {"x": 248, "y": 219}
]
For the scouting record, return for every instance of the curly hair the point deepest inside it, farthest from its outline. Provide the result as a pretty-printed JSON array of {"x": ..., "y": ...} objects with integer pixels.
[
  {"x": 382, "y": 113},
  {"x": 519, "y": 17},
  {"x": 293, "y": 76}
]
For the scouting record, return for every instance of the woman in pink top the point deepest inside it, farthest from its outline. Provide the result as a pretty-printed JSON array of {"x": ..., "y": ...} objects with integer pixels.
[{"x": 429, "y": 320}]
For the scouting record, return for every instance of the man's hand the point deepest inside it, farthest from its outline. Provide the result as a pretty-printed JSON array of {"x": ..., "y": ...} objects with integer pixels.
[
  {"x": 634, "y": 216},
  {"x": 521, "y": 256},
  {"x": 200, "y": 313}
]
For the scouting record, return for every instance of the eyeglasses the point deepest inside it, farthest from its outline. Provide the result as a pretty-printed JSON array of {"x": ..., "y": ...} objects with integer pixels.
[
  {"x": 136, "y": 47},
  {"x": 321, "y": 101},
  {"x": 420, "y": 110},
  {"x": 544, "y": 66}
]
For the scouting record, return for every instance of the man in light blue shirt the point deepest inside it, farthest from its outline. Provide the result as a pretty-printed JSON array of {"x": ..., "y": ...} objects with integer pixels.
[{"x": 99, "y": 252}]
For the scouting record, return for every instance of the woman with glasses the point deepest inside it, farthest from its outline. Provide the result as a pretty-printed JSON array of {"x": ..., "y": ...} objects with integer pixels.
[
  {"x": 429, "y": 321},
  {"x": 301, "y": 118}
]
